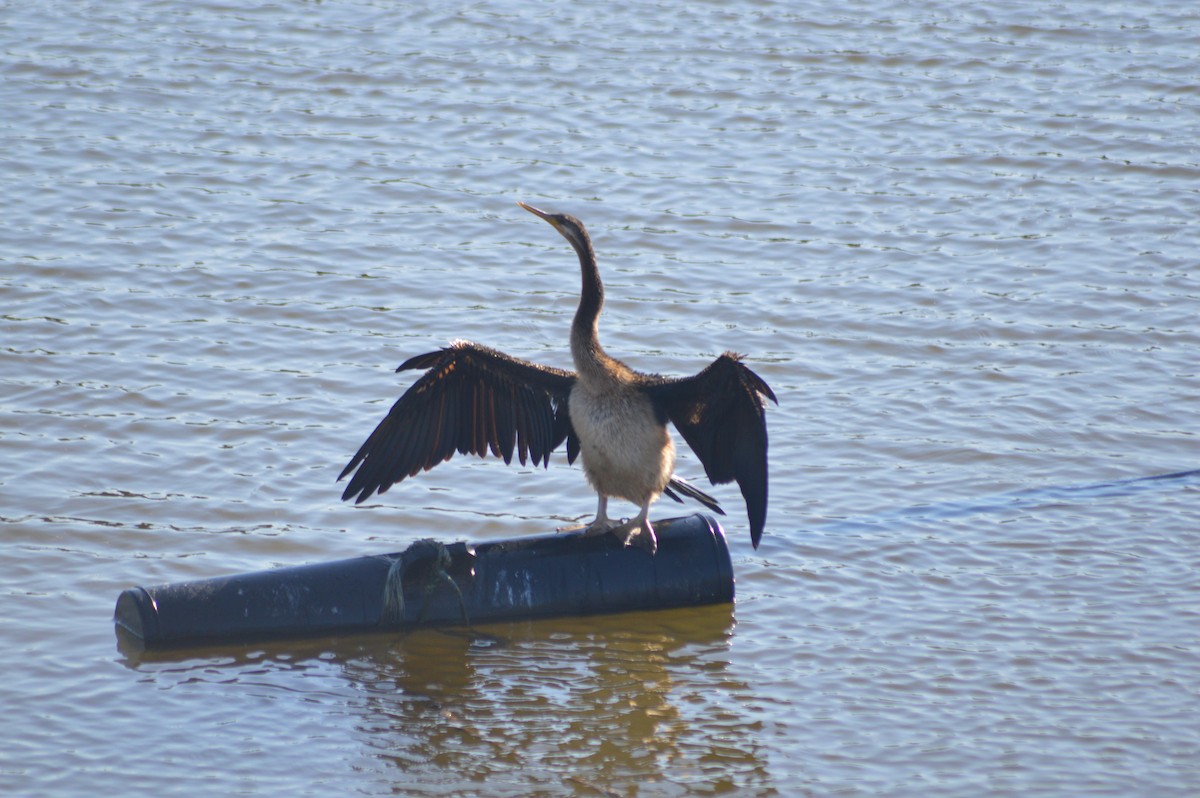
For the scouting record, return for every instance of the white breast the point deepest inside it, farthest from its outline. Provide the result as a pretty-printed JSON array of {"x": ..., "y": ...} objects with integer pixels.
[{"x": 626, "y": 452}]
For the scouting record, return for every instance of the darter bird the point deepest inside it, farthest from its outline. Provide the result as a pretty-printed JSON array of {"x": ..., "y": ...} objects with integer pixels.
[{"x": 473, "y": 399}]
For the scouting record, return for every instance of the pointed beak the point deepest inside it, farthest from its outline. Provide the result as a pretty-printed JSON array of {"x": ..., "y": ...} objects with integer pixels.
[
  {"x": 537, "y": 212},
  {"x": 566, "y": 226}
]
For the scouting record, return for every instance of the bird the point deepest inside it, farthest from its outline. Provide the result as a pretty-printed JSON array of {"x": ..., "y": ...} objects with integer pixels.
[{"x": 473, "y": 399}]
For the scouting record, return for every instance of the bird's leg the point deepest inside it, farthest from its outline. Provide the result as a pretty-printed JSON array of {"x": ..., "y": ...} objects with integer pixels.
[
  {"x": 599, "y": 526},
  {"x": 602, "y": 524},
  {"x": 638, "y": 531}
]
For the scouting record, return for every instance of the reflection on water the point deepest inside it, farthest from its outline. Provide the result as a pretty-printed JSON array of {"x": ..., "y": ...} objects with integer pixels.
[{"x": 608, "y": 704}]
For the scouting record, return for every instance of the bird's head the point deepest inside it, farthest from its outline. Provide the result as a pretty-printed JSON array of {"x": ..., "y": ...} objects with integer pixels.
[{"x": 567, "y": 225}]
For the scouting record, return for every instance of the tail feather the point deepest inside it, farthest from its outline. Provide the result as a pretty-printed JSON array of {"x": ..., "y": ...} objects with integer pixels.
[{"x": 678, "y": 485}]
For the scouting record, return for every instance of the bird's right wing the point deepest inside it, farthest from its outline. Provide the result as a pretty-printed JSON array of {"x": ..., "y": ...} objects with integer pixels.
[{"x": 472, "y": 400}]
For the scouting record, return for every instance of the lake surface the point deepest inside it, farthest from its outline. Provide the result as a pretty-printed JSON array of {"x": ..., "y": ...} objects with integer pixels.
[{"x": 959, "y": 242}]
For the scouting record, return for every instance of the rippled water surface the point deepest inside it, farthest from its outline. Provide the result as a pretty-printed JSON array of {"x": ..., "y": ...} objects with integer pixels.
[{"x": 959, "y": 241}]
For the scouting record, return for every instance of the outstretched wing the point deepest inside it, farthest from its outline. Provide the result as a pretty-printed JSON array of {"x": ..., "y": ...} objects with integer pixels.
[
  {"x": 471, "y": 400},
  {"x": 720, "y": 412}
]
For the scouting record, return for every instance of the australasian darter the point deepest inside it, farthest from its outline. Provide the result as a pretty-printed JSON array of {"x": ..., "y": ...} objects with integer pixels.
[{"x": 473, "y": 399}]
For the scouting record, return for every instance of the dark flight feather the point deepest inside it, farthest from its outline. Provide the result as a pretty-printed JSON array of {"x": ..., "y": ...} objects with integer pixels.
[
  {"x": 719, "y": 412},
  {"x": 471, "y": 400}
]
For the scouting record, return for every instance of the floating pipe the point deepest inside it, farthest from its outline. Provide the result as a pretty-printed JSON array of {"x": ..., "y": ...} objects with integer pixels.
[{"x": 432, "y": 584}]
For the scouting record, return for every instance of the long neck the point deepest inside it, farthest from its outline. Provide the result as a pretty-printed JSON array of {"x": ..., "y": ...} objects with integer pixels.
[{"x": 589, "y": 357}]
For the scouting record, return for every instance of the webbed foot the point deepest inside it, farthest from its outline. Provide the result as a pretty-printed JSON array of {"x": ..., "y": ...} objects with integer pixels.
[
  {"x": 601, "y": 526},
  {"x": 637, "y": 532}
]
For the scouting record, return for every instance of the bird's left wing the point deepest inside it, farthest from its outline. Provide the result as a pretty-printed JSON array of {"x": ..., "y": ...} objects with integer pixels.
[
  {"x": 720, "y": 412},
  {"x": 471, "y": 400}
]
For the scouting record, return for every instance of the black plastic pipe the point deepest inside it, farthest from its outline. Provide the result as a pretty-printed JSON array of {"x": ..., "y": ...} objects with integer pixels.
[{"x": 434, "y": 584}]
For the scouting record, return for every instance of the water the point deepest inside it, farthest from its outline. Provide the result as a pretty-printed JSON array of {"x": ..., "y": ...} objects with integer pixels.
[{"x": 958, "y": 242}]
